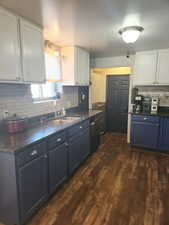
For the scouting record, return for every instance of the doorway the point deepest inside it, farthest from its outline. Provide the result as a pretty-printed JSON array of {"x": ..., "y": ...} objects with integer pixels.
[{"x": 117, "y": 96}]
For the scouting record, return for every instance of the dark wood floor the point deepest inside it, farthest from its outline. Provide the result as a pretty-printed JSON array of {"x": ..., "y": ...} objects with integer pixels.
[{"x": 116, "y": 186}]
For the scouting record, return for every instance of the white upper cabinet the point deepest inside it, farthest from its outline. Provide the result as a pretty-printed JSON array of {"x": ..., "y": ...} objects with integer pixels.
[
  {"x": 83, "y": 67},
  {"x": 68, "y": 65},
  {"x": 53, "y": 67},
  {"x": 22, "y": 50},
  {"x": 163, "y": 67},
  {"x": 144, "y": 72},
  {"x": 32, "y": 47},
  {"x": 75, "y": 66},
  {"x": 151, "y": 68},
  {"x": 10, "y": 69}
]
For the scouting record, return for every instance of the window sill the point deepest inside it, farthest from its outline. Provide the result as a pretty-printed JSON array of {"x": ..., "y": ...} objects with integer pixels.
[{"x": 36, "y": 101}]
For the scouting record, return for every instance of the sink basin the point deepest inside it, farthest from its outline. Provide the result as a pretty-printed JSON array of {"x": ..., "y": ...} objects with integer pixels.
[{"x": 67, "y": 119}]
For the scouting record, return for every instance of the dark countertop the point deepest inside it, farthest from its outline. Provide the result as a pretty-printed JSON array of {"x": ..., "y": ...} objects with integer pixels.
[
  {"x": 16, "y": 142},
  {"x": 162, "y": 114},
  {"x": 99, "y": 106}
]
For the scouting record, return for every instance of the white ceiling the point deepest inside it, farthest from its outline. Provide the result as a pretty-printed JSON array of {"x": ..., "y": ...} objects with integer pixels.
[{"x": 94, "y": 24}]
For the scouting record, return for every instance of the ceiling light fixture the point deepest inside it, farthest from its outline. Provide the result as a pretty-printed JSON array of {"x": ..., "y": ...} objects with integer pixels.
[{"x": 130, "y": 34}]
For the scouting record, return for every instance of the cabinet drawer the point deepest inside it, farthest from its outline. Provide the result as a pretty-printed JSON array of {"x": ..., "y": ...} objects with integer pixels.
[
  {"x": 80, "y": 127},
  {"x": 141, "y": 118},
  {"x": 56, "y": 140},
  {"x": 31, "y": 153}
]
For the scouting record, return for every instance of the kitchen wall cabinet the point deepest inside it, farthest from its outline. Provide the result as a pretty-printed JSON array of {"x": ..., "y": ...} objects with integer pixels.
[
  {"x": 83, "y": 66},
  {"x": 32, "y": 48},
  {"x": 22, "y": 52},
  {"x": 10, "y": 69},
  {"x": 163, "y": 67},
  {"x": 151, "y": 68},
  {"x": 75, "y": 66},
  {"x": 144, "y": 72}
]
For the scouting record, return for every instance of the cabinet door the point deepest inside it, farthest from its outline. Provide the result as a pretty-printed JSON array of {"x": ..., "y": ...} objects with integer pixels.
[
  {"x": 68, "y": 65},
  {"x": 32, "y": 45},
  {"x": 145, "y": 134},
  {"x": 86, "y": 68},
  {"x": 164, "y": 134},
  {"x": 33, "y": 186},
  {"x": 9, "y": 45},
  {"x": 83, "y": 67},
  {"x": 57, "y": 166},
  {"x": 94, "y": 137},
  {"x": 145, "y": 68},
  {"x": 163, "y": 67},
  {"x": 85, "y": 145},
  {"x": 102, "y": 123},
  {"x": 75, "y": 145}
]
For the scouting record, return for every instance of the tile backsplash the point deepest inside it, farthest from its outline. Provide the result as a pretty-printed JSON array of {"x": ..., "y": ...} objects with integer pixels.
[
  {"x": 161, "y": 91},
  {"x": 16, "y": 98}
]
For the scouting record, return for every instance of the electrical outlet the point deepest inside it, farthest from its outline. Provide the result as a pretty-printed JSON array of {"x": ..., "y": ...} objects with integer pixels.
[
  {"x": 5, "y": 113},
  {"x": 68, "y": 104}
]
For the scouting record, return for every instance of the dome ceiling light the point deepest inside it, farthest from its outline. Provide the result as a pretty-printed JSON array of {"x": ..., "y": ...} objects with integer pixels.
[{"x": 130, "y": 34}]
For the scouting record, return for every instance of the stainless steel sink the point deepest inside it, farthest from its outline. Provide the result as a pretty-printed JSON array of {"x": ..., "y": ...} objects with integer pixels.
[{"x": 67, "y": 119}]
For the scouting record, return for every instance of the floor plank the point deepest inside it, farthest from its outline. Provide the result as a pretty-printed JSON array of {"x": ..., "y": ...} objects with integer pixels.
[{"x": 118, "y": 185}]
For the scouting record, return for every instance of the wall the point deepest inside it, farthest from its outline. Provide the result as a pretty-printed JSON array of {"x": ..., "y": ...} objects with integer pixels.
[
  {"x": 161, "y": 92},
  {"x": 98, "y": 88},
  {"x": 112, "y": 71},
  {"x": 16, "y": 98},
  {"x": 98, "y": 79},
  {"x": 112, "y": 62}
]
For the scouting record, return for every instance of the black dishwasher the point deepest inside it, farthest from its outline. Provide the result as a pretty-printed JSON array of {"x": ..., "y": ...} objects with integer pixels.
[{"x": 94, "y": 134}]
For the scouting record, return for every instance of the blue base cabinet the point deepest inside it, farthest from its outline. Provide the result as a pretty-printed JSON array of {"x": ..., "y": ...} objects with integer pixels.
[
  {"x": 164, "y": 134},
  {"x": 58, "y": 169},
  {"x": 145, "y": 135},
  {"x": 145, "y": 131}
]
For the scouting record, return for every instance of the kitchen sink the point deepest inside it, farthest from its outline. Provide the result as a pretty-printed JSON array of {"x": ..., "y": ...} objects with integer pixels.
[{"x": 67, "y": 119}]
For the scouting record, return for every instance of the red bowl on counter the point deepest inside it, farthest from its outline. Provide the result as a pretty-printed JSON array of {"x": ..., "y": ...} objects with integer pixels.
[{"x": 15, "y": 125}]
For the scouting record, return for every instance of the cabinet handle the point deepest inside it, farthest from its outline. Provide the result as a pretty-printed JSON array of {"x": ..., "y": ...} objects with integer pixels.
[
  {"x": 34, "y": 153},
  {"x": 59, "y": 139},
  {"x": 81, "y": 127},
  {"x": 66, "y": 144}
]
